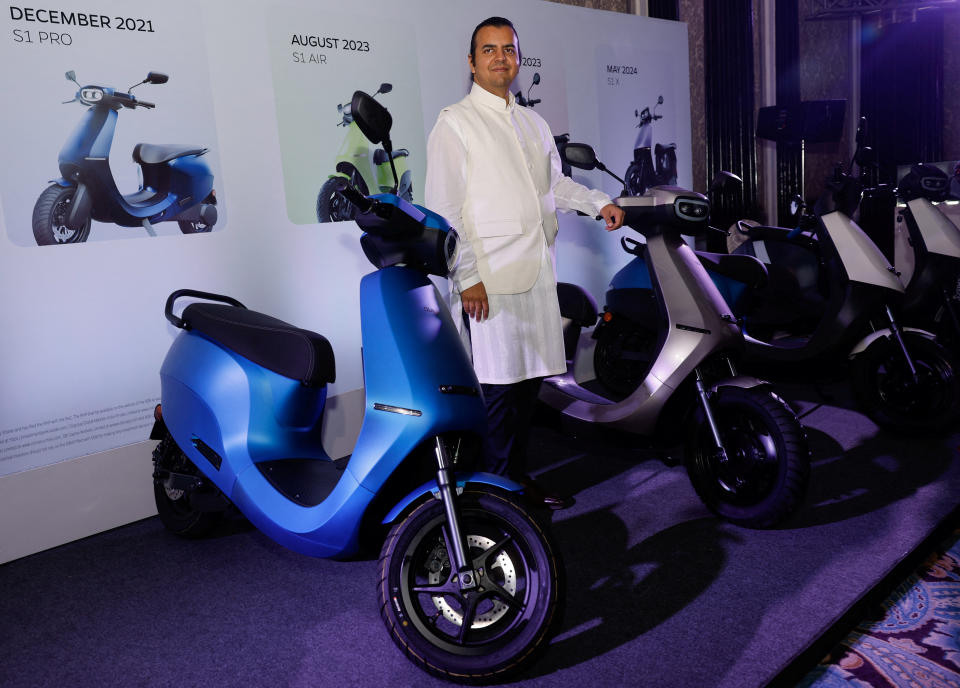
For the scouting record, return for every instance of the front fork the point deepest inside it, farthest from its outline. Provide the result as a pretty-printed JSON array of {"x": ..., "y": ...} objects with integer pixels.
[
  {"x": 721, "y": 452},
  {"x": 898, "y": 336},
  {"x": 466, "y": 577}
]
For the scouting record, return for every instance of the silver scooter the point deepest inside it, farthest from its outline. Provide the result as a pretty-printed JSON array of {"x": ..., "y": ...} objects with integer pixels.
[{"x": 746, "y": 452}]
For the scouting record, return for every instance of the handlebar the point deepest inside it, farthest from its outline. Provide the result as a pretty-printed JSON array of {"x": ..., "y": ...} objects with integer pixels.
[{"x": 143, "y": 103}]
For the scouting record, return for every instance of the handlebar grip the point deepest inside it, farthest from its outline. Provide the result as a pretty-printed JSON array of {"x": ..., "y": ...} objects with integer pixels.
[
  {"x": 355, "y": 197},
  {"x": 143, "y": 103}
]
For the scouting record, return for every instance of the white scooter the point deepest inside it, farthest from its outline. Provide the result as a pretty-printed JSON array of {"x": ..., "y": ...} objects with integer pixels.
[{"x": 746, "y": 452}]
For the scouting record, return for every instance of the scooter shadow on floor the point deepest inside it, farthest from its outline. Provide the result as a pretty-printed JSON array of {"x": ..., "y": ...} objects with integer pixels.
[
  {"x": 875, "y": 473},
  {"x": 617, "y": 592}
]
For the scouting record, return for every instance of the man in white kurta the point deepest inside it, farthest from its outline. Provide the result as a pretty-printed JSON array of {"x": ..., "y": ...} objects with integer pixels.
[{"x": 494, "y": 172}]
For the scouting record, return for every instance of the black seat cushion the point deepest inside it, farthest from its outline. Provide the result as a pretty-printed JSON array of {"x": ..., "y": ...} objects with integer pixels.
[
  {"x": 269, "y": 342},
  {"x": 152, "y": 154}
]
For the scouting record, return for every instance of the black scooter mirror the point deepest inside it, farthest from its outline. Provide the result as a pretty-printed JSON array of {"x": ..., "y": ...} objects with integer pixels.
[
  {"x": 156, "y": 78},
  {"x": 536, "y": 78},
  {"x": 385, "y": 88},
  {"x": 372, "y": 118},
  {"x": 580, "y": 155},
  {"x": 724, "y": 179},
  {"x": 660, "y": 100},
  {"x": 71, "y": 76}
]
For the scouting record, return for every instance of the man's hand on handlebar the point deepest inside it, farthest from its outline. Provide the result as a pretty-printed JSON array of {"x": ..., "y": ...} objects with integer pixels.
[
  {"x": 474, "y": 300},
  {"x": 613, "y": 214}
]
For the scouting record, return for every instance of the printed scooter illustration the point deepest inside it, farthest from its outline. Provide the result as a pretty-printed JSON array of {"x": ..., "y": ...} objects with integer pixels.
[
  {"x": 561, "y": 140},
  {"x": 673, "y": 339},
  {"x": 469, "y": 582},
  {"x": 369, "y": 169},
  {"x": 177, "y": 185},
  {"x": 641, "y": 173}
]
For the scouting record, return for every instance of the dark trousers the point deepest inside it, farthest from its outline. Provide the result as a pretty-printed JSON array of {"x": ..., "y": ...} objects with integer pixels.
[{"x": 509, "y": 416}]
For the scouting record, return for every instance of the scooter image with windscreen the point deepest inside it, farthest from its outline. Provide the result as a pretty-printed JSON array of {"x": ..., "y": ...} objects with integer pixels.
[
  {"x": 641, "y": 173},
  {"x": 469, "y": 582},
  {"x": 369, "y": 169},
  {"x": 746, "y": 452},
  {"x": 177, "y": 185}
]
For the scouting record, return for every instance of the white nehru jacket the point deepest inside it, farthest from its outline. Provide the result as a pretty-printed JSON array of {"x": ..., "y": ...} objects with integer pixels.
[{"x": 494, "y": 173}]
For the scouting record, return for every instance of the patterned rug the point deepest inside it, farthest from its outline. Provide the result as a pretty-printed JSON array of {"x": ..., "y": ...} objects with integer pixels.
[{"x": 914, "y": 639}]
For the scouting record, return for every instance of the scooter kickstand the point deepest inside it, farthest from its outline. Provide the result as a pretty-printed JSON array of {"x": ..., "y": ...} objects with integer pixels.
[
  {"x": 466, "y": 576},
  {"x": 149, "y": 227}
]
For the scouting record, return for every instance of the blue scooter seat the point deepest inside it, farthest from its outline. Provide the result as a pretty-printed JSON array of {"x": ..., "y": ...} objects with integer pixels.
[
  {"x": 152, "y": 154},
  {"x": 278, "y": 346}
]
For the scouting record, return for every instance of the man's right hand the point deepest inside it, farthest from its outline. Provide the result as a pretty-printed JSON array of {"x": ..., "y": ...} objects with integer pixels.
[{"x": 475, "y": 303}]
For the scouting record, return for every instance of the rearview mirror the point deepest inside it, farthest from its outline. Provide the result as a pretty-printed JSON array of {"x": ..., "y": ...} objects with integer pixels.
[
  {"x": 71, "y": 76},
  {"x": 372, "y": 118},
  {"x": 580, "y": 155},
  {"x": 385, "y": 88},
  {"x": 536, "y": 78},
  {"x": 157, "y": 78}
]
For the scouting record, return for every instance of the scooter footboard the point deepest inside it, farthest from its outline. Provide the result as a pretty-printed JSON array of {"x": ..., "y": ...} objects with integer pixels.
[{"x": 463, "y": 479}]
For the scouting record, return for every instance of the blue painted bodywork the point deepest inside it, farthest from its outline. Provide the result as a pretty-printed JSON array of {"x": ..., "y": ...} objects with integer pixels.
[
  {"x": 169, "y": 190},
  {"x": 247, "y": 414},
  {"x": 636, "y": 275}
]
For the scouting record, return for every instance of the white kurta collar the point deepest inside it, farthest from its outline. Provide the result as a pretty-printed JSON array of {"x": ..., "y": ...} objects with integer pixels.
[{"x": 492, "y": 100}]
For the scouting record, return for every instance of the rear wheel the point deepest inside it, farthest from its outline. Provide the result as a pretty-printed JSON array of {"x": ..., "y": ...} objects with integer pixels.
[
  {"x": 763, "y": 477},
  {"x": 890, "y": 395},
  {"x": 50, "y": 216},
  {"x": 177, "y": 508},
  {"x": 482, "y": 635}
]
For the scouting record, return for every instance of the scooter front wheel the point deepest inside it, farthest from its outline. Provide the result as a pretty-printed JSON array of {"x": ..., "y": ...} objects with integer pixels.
[
  {"x": 482, "y": 635},
  {"x": 763, "y": 476},
  {"x": 896, "y": 400},
  {"x": 50, "y": 217}
]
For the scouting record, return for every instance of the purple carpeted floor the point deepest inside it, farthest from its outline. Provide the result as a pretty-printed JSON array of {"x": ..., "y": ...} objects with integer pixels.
[{"x": 660, "y": 593}]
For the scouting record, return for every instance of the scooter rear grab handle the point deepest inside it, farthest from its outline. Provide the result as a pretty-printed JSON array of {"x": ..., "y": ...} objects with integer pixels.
[{"x": 193, "y": 293}]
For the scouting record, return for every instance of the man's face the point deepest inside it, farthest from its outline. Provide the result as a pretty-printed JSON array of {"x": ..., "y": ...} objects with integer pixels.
[{"x": 497, "y": 59}]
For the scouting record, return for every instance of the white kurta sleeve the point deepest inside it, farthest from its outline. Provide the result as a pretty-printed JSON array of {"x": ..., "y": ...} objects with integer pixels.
[{"x": 445, "y": 191}]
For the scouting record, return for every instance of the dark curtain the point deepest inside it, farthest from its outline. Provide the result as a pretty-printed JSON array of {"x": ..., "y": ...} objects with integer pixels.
[
  {"x": 663, "y": 9},
  {"x": 729, "y": 106},
  {"x": 789, "y": 182},
  {"x": 902, "y": 91}
]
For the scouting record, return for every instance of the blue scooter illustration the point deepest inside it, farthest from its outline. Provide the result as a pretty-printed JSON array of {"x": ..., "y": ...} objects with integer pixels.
[
  {"x": 177, "y": 184},
  {"x": 470, "y": 583}
]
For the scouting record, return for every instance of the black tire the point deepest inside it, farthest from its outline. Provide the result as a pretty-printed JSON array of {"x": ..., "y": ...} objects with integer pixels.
[
  {"x": 633, "y": 180},
  {"x": 768, "y": 461},
  {"x": 331, "y": 206},
  {"x": 514, "y": 619},
  {"x": 176, "y": 512},
  {"x": 890, "y": 396},
  {"x": 621, "y": 358},
  {"x": 50, "y": 214}
]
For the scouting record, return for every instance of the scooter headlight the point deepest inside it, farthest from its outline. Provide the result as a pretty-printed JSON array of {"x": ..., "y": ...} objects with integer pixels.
[{"x": 91, "y": 95}]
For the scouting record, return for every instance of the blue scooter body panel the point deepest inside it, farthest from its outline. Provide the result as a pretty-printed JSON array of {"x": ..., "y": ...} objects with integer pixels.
[
  {"x": 246, "y": 414},
  {"x": 636, "y": 275},
  {"x": 633, "y": 275},
  {"x": 411, "y": 349},
  {"x": 84, "y": 158},
  {"x": 462, "y": 479}
]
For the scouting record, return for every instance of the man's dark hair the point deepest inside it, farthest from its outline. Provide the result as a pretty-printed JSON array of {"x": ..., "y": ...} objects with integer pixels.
[{"x": 497, "y": 22}]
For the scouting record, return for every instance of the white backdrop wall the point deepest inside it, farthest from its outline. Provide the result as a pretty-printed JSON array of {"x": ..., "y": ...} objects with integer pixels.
[{"x": 256, "y": 82}]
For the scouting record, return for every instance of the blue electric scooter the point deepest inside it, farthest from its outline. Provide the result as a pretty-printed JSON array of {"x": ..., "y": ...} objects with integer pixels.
[
  {"x": 469, "y": 582},
  {"x": 177, "y": 184}
]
